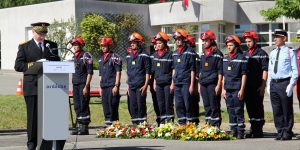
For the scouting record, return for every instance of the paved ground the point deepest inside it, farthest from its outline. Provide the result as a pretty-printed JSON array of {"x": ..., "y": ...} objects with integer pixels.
[{"x": 16, "y": 141}]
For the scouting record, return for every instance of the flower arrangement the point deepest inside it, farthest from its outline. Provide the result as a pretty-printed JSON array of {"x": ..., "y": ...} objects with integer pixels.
[{"x": 169, "y": 131}]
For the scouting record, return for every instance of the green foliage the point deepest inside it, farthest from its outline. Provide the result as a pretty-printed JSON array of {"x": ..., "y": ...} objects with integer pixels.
[
  {"x": 94, "y": 27},
  {"x": 62, "y": 31},
  {"x": 135, "y": 1},
  {"x": 287, "y": 8},
  {"x": 126, "y": 25},
  {"x": 13, "y": 3}
]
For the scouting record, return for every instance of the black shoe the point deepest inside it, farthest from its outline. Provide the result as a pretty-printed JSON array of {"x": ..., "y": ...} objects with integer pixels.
[
  {"x": 234, "y": 133},
  {"x": 249, "y": 135},
  {"x": 278, "y": 137},
  {"x": 258, "y": 134},
  {"x": 83, "y": 130},
  {"x": 286, "y": 138},
  {"x": 74, "y": 132},
  {"x": 240, "y": 135}
]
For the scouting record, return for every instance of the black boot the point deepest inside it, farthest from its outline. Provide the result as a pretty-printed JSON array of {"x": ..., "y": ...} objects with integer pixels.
[
  {"x": 234, "y": 132},
  {"x": 83, "y": 129},
  {"x": 240, "y": 135}
]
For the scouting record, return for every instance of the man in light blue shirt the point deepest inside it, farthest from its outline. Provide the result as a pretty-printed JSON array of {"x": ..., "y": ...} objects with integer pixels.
[{"x": 283, "y": 74}]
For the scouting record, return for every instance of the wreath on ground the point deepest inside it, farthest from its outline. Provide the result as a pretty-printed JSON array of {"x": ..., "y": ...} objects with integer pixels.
[{"x": 169, "y": 131}]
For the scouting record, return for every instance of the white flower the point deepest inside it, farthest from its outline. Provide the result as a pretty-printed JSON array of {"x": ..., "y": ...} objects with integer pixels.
[{"x": 167, "y": 134}]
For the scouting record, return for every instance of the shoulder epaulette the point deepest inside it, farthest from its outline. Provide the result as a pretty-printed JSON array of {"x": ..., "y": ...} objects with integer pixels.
[{"x": 23, "y": 42}]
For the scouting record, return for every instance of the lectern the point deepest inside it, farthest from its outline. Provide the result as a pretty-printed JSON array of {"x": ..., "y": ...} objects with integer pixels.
[{"x": 53, "y": 87}]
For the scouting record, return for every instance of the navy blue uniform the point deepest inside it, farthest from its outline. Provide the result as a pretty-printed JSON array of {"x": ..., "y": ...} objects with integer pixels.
[
  {"x": 233, "y": 70},
  {"x": 137, "y": 67},
  {"x": 108, "y": 69},
  {"x": 152, "y": 91},
  {"x": 184, "y": 63},
  {"x": 210, "y": 67},
  {"x": 195, "y": 98},
  {"x": 257, "y": 64},
  {"x": 162, "y": 66},
  {"x": 83, "y": 67}
]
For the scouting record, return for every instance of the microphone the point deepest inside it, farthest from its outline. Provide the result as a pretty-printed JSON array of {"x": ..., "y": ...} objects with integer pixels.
[{"x": 51, "y": 49}]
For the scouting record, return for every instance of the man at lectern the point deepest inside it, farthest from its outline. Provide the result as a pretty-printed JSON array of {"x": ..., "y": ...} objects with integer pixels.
[{"x": 29, "y": 52}]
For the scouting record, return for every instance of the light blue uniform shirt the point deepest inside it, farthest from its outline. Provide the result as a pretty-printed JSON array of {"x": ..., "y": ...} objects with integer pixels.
[{"x": 287, "y": 65}]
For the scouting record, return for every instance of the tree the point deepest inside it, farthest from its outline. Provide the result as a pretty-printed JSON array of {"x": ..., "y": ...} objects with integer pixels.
[
  {"x": 94, "y": 27},
  {"x": 63, "y": 31},
  {"x": 287, "y": 8},
  {"x": 13, "y": 3}
]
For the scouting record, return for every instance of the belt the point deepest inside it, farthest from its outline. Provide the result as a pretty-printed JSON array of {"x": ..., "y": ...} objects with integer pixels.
[{"x": 281, "y": 80}]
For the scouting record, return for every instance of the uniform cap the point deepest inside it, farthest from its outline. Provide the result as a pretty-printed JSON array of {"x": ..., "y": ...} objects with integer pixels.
[
  {"x": 40, "y": 27},
  {"x": 280, "y": 32}
]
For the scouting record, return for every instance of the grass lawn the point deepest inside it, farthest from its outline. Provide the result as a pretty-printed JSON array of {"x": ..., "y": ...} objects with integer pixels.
[{"x": 13, "y": 113}]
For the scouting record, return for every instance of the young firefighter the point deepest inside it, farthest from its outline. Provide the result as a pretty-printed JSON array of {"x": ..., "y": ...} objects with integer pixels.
[
  {"x": 110, "y": 67},
  {"x": 81, "y": 85},
  {"x": 195, "y": 98},
  {"x": 184, "y": 64},
  {"x": 152, "y": 90},
  {"x": 234, "y": 81},
  {"x": 138, "y": 72},
  {"x": 162, "y": 65},
  {"x": 257, "y": 75},
  {"x": 210, "y": 78}
]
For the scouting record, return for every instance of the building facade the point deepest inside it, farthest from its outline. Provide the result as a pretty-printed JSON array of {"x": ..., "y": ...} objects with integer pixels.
[{"x": 224, "y": 17}]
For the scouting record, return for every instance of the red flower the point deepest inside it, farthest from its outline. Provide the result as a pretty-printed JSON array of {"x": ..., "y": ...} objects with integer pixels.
[{"x": 132, "y": 134}]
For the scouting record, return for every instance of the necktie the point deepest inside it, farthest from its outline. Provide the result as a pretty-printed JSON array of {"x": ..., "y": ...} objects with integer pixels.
[
  {"x": 276, "y": 61},
  {"x": 40, "y": 46}
]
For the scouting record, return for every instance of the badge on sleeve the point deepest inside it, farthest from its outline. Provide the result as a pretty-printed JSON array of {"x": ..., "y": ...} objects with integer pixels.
[
  {"x": 206, "y": 64},
  {"x": 158, "y": 64},
  {"x": 229, "y": 68},
  {"x": 178, "y": 60},
  {"x": 133, "y": 62}
]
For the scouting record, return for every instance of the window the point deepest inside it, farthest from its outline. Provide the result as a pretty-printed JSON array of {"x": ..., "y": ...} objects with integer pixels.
[
  {"x": 193, "y": 30},
  {"x": 221, "y": 35},
  {"x": 262, "y": 27}
]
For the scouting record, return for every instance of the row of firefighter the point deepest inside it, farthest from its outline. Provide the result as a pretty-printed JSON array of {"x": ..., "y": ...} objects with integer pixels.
[{"x": 178, "y": 78}]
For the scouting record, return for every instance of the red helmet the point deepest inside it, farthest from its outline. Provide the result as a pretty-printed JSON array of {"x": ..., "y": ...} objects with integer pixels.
[
  {"x": 162, "y": 36},
  {"x": 251, "y": 34},
  {"x": 105, "y": 41},
  {"x": 180, "y": 33},
  {"x": 153, "y": 40},
  {"x": 78, "y": 40},
  {"x": 135, "y": 37},
  {"x": 232, "y": 38},
  {"x": 191, "y": 40},
  {"x": 208, "y": 34}
]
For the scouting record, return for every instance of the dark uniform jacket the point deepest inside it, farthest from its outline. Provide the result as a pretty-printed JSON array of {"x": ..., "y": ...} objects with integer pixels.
[
  {"x": 257, "y": 63},
  {"x": 162, "y": 67},
  {"x": 108, "y": 69},
  {"x": 210, "y": 67},
  {"x": 137, "y": 68},
  {"x": 184, "y": 63},
  {"x": 29, "y": 52},
  {"x": 83, "y": 67},
  {"x": 233, "y": 70}
]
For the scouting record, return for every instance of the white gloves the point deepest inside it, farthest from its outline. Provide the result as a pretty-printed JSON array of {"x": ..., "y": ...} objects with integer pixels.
[
  {"x": 268, "y": 89},
  {"x": 289, "y": 90}
]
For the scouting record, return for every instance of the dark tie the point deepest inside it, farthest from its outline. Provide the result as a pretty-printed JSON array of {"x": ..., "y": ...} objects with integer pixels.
[
  {"x": 276, "y": 61},
  {"x": 40, "y": 46}
]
